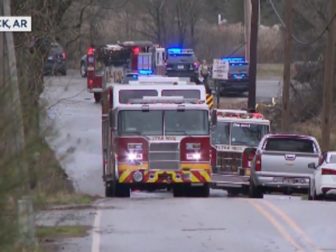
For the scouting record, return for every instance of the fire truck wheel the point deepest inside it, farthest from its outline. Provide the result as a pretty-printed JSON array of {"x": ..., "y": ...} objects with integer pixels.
[
  {"x": 122, "y": 191},
  {"x": 202, "y": 191},
  {"x": 255, "y": 192},
  {"x": 97, "y": 97},
  {"x": 109, "y": 189},
  {"x": 179, "y": 190}
]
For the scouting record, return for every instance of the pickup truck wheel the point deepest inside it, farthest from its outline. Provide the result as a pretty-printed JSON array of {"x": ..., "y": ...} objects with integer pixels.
[
  {"x": 255, "y": 192},
  {"x": 97, "y": 97},
  {"x": 232, "y": 192}
]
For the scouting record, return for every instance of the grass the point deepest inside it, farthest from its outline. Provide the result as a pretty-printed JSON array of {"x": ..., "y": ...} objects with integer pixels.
[
  {"x": 269, "y": 70},
  {"x": 43, "y": 232},
  {"x": 64, "y": 198}
]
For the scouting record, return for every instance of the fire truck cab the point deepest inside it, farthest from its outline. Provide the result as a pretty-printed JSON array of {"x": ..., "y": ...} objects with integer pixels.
[
  {"x": 123, "y": 60},
  {"x": 157, "y": 142},
  {"x": 234, "y": 134}
]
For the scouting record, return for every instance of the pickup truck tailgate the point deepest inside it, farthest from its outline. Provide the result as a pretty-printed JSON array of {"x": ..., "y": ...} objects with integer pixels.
[{"x": 276, "y": 161}]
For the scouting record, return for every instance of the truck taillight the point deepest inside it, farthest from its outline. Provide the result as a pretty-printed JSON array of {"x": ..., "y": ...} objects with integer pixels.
[
  {"x": 326, "y": 171},
  {"x": 90, "y": 51},
  {"x": 247, "y": 157},
  {"x": 258, "y": 162}
]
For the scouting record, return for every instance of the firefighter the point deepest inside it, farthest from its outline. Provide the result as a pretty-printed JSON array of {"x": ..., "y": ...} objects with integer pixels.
[{"x": 204, "y": 71}]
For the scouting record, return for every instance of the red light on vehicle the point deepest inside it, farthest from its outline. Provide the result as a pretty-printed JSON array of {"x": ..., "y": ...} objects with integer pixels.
[
  {"x": 64, "y": 55},
  {"x": 136, "y": 50},
  {"x": 248, "y": 156},
  {"x": 90, "y": 51},
  {"x": 326, "y": 171},
  {"x": 90, "y": 83},
  {"x": 258, "y": 163}
]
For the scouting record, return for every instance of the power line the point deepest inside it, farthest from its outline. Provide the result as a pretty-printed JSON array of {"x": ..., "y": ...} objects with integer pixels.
[{"x": 293, "y": 36}]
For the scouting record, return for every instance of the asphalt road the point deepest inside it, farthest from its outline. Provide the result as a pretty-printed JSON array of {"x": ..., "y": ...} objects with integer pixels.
[{"x": 155, "y": 222}]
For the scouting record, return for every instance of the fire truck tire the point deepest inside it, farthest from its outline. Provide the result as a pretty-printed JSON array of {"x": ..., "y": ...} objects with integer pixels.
[
  {"x": 255, "y": 192},
  {"x": 97, "y": 97},
  {"x": 202, "y": 191},
  {"x": 113, "y": 189},
  {"x": 122, "y": 191},
  {"x": 179, "y": 190},
  {"x": 109, "y": 189}
]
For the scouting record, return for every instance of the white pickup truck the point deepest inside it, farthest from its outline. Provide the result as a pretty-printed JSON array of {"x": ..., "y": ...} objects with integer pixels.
[{"x": 281, "y": 164}]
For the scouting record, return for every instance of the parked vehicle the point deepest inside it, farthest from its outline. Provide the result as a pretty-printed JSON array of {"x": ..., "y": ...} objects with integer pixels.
[
  {"x": 281, "y": 164},
  {"x": 182, "y": 63},
  {"x": 83, "y": 66},
  {"x": 238, "y": 77},
  {"x": 157, "y": 146},
  {"x": 324, "y": 183},
  {"x": 129, "y": 57},
  {"x": 236, "y": 131},
  {"x": 56, "y": 60}
]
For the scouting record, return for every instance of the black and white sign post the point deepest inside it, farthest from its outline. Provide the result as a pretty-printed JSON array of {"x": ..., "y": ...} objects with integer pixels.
[{"x": 220, "y": 71}]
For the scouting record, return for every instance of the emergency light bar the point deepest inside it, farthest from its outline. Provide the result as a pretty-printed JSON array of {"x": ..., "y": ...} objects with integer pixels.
[
  {"x": 113, "y": 47},
  {"x": 180, "y": 51},
  {"x": 165, "y": 100},
  {"x": 242, "y": 114},
  {"x": 160, "y": 80},
  {"x": 236, "y": 60},
  {"x": 145, "y": 71}
]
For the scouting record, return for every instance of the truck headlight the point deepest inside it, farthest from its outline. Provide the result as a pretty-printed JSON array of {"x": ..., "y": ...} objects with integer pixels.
[
  {"x": 133, "y": 156},
  {"x": 194, "y": 156}
]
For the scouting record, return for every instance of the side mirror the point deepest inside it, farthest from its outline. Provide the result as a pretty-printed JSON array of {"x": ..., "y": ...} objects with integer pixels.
[
  {"x": 311, "y": 166},
  {"x": 214, "y": 117},
  {"x": 112, "y": 121}
]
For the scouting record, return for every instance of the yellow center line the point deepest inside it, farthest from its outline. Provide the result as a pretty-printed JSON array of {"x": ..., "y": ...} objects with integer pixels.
[
  {"x": 292, "y": 224},
  {"x": 283, "y": 232}
]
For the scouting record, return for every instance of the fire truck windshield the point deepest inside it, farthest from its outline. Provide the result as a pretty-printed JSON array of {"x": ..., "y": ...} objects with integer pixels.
[
  {"x": 248, "y": 134},
  {"x": 221, "y": 134},
  {"x": 163, "y": 122}
]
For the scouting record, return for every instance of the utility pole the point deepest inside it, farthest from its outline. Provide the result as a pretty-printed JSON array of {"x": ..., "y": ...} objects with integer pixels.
[
  {"x": 253, "y": 55},
  {"x": 2, "y": 55},
  {"x": 14, "y": 84},
  {"x": 329, "y": 64},
  {"x": 287, "y": 64},
  {"x": 247, "y": 22}
]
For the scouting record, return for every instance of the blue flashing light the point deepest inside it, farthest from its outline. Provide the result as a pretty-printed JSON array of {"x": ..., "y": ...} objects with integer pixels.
[
  {"x": 235, "y": 59},
  {"x": 145, "y": 71},
  {"x": 174, "y": 50},
  {"x": 239, "y": 76}
]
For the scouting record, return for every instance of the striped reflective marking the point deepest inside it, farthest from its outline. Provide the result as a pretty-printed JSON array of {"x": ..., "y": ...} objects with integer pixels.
[{"x": 210, "y": 100}]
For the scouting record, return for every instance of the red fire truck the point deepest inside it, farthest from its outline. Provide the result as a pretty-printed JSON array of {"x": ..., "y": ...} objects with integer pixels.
[
  {"x": 130, "y": 57},
  {"x": 233, "y": 137},
  {"x": 149, "y": 143}
]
